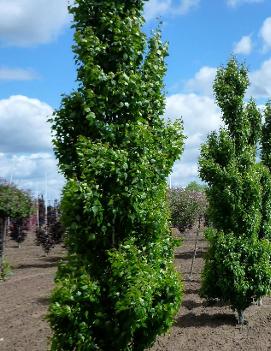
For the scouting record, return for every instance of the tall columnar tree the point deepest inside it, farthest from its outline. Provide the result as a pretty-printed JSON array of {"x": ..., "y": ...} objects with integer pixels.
[
  {"x": 266, "y": 161},
  {"x": 237, "y": 267},
  {"x": 266, "y": 136},
  {"x": 118, "y": 288}
]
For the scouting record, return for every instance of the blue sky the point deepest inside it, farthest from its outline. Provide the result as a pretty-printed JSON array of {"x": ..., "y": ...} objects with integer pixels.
[{"x": 36, "y": 67}]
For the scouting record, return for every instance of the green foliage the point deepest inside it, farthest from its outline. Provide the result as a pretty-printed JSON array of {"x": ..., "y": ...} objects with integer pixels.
[
  {"x": 194, "y": 186},
  {"x": 144, "y": 296},
  {"x": 238, "y": 195},
  {"x": 5, "y": 271},
  {"x": 236, "y": 271},
  {"x": 14, "y": 202},
  {"x": 186, "y": 207},
  {"x": 18, "y": 229},
  {"x": 118, "y": 288}
]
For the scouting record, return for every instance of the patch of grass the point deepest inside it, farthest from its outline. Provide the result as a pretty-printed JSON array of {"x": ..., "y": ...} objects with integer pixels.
[{"x": 6, "y": 271}]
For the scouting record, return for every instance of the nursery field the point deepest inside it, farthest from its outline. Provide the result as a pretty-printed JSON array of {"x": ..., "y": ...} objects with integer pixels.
[{"x": 24, "y": 302}]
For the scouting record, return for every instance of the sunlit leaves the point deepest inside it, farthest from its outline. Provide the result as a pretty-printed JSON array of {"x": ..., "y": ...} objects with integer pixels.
[
  {"x": 238, "y": 265},
  {"x": 116, "y": 152}
]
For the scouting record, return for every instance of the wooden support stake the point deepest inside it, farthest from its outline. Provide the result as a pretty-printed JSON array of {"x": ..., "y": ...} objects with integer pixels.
[{"x": 195, "y": 249}]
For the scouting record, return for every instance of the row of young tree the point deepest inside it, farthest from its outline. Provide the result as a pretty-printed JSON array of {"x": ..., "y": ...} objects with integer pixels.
[
  {"x": 118, "y": 289},
  {"x": 49, "y": 229},
  {"x": 20, "y": 213}
]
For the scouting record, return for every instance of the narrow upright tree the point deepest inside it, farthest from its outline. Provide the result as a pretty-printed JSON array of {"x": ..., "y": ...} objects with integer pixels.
[
  {"x": 118, "y": 288},
  {"x": 41, "y": 212},
  {"x": 266, "y": 176},
  {"x": 266, "y": 136},
  {"x": 237, "y": 267}
]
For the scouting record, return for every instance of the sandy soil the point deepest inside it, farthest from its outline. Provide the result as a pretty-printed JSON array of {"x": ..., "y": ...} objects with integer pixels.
[
  {"x": 24, "y": 302},
  {"x": 199, "y": 327},
  {"x": 24, "y": 297}
]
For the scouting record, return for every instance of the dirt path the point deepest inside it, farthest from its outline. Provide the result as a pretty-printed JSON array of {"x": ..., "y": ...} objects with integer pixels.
[
  {"x": 203, "y": 328},
  {"x": 24, "y": 297},
  {"x": 24, "y": 302}
]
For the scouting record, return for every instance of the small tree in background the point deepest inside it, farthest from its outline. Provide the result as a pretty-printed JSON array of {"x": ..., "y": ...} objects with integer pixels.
[
  {"x": 194, "y": 186},
  {"x": 51, "y": 232},
  {"x": 15, "y": 204},
  {"x": 44, "y": 239},
  {"x": 18, "y": 229},
  {"x": 56, "y": 228},
  {"x": 119, "y": 288},
  {"x": 187, "y": 207},
  {"x": 237, "y": 266},
  {"x": 41, "y": 211}
]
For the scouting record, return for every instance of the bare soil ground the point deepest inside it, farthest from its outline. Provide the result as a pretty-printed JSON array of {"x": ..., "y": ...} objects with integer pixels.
[
  {"x": 199, "y": 327},
  {"x": 24, "y": 297},
  {"x": 24, "y": 302}
]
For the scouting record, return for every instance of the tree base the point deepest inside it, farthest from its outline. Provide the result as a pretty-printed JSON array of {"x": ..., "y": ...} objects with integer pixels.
[{"x": 241, "y": 318}]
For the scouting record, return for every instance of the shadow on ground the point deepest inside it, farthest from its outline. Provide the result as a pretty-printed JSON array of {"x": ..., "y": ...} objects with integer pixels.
[
  {"x": 188, "y": 255},
  {"x": 35, "y": 265},
  {"x": 204, "y": 319}
]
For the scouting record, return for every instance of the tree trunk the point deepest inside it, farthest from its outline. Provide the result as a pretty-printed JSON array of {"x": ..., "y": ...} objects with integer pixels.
[
  {"x": 195, "y": 249},
  {"x": 241, "y": 317}
]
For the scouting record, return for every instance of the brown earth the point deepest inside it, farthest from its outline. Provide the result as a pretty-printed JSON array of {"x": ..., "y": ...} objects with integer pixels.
[
  {"x": 24, "y": 297},
  {"x": 24, "y": 302}
]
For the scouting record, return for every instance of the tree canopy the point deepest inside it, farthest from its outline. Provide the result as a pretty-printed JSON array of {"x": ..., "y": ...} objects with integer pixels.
[
  {"x": 14, "y": 202},
  {"x": 118, "y": 289}
]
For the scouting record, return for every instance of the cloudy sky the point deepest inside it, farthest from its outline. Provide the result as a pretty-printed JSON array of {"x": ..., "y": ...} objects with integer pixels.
[{"x": 36, "y": 67}]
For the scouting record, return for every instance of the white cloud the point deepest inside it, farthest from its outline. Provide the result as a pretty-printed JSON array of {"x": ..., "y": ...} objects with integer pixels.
[
  {"x": 33, "y": 171},
  {"x": 202, "y": 82},
  {"x": 261, "y": 81},
  {"x": 186, "y": 5},
  {"x": 24, "y": 166},
  {"x": 183, "y": 173},
  {"x": 234, "y": 3},
  {"x": 244, "y": 46},
  {"x": 265, "y": 33},
  {"x": 155, "y": 8},
  {"x": 200, "y": 116},
  {"x": 25, "y": 143},
  {"x": 23, "y": 125},
  {"x": 30, "y": 22},
  {"x": 199, "y": 113},
  {"x": 16, "y": 74},
  {"x": 26, "y": 156}
]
